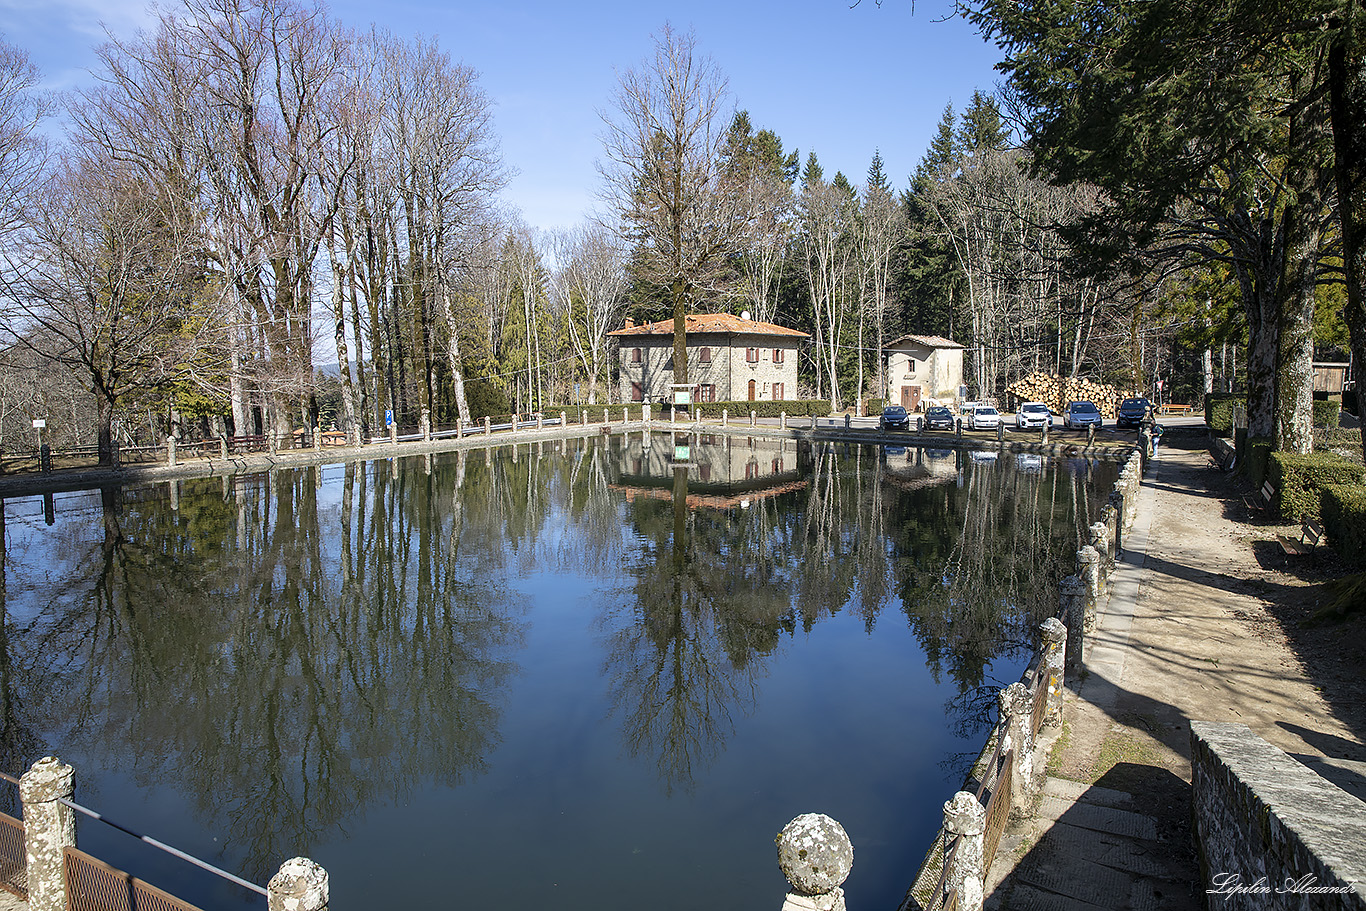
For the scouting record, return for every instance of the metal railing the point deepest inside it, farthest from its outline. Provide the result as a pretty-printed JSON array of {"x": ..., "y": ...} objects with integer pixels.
[{"x": 95, "y": 880}]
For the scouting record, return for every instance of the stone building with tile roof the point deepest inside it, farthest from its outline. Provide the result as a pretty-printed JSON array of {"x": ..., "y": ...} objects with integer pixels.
[
  {"x": 730, "y": 359},
  {"x": 922, "y": 370}
]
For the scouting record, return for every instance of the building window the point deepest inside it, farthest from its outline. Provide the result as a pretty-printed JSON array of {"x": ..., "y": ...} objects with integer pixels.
[
  {"x": 635, "y": 355},
  {"x": 637, "y": 393},
  {"x": 910, "y": 365},
  {"x": 777, "y": 355},
  {"x": 706, "y": 392},
  {"x": 704, "y": 356},
  {"x": 777, "y": 392},
  {"x": 752, "y": 355}
]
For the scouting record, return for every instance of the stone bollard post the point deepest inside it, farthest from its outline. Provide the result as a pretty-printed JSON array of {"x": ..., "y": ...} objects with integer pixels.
[
  {"x": 1100, "y": 540},
  {"x": 753, "y": 419},
  {"x": 626, "y": 415},
  {"x": 1043, "y": 431},
  {"x": 170, "y": 452},
  {"x": 540, "y": 421},
  {"x": 645, "y": 412},
  {"x": 1000, "y": 431},
  {"x": 564, "y": 423},
  {"x": 1088, "y": 567},
  {"x": 393, "y": 434},
  {"x": 45, "y": 457},
  {"x": 49, "y": 827},
  {"x": 1017, "y": 710},
  {"x": 782, "y": 420},
  {"x": 966, "y": 818},
  {"x": 1054, "y": 636},
  {"x": 1072, "y": 603},
  {"x": 1116, "y": 500},
  {"x": 300, "y": 885},
  {"x": 606, "y": 418},
  {"x": 426, "y": 424},
  {"x": 317, "y": 437},
  {"x": 488, "y": 425},
  {"x": 1090, "y": 435},
  {"x": 815, "y": 855},
  {"x": 958, "y": 427}
]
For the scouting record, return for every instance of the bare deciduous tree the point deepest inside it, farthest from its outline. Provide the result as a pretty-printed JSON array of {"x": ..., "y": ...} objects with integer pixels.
[{"x": 663, "y": 176}]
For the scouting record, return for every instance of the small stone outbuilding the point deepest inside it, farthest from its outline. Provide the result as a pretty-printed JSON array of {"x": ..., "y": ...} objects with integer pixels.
[{"x": 921, "y": 368}]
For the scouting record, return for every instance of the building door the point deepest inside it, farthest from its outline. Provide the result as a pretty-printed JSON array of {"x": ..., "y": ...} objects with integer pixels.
[
  {"x": 910, "y": 397},
  {"x": 751, "y": 390}
]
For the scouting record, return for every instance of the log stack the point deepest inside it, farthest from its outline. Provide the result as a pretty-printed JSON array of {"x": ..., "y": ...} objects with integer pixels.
[{"x": 1056, "y": 391}]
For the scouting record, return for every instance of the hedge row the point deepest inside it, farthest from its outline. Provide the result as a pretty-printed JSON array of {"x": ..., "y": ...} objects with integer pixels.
[
  {"x": 1344, "y": 519},
  {"x": 793, "y": 408},
  {"x": 1326, "y": 413},
  {"x": 1254, "y": 452},
  {"x": 1300, "y": 479},
  {"x": 1219, "y": 411}
]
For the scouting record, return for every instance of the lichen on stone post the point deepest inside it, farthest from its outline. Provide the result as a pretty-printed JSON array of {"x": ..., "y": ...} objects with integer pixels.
[
  {"x": 1017, "y": 709},
  {"x": 300, "y": 885},
  {"x": 1088, "y": 567},
  {"x": 1100, "y": 540},
  {"x": 1054, "y": 635},
  {"x": 816, "y": 855},
  {"x": 966, "y": 819},
  {"x": 49, "y": 828}
]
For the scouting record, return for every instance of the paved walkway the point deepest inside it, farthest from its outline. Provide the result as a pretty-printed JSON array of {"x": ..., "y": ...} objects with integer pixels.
[{"x": 1177, "y": 641}]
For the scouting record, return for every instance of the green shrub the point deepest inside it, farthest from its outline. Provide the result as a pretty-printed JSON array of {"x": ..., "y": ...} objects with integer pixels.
[
  {"x": 794, "y": 408},
  {"x": 1298, "y": 480},
  {"x": 1219, "y": 411},
  {"x": 1255, "y": 451},
  {"x": 1344, "y": 518},
  {"x": 1326, "y": 413}
]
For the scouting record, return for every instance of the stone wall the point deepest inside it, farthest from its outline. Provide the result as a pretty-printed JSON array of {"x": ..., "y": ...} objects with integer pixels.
[{"x": 1271, "y": 833}]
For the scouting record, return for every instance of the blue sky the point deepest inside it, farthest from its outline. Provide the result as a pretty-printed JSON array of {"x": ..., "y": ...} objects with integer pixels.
[{"x": 825, "y": 77}]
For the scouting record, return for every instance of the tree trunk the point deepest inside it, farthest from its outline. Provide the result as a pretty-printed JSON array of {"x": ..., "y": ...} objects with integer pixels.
[{"x": 1347, "y": 106}]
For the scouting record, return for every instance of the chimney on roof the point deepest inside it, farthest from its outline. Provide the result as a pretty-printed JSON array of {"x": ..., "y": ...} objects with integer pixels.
[{"x": 630, "y": 323}]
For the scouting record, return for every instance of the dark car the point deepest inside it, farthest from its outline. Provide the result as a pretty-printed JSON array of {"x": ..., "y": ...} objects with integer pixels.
[
  {"x": 1133, "y": 412},
  {"x": 939, "y": 418},
  {"x": 894, "y": 417},
  {"x": 1080, "y": 415}
]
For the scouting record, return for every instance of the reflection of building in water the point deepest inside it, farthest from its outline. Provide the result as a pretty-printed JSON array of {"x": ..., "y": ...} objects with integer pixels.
[
  {"x": 914, "y": 467},
  {"x": 723, "y": 471}
]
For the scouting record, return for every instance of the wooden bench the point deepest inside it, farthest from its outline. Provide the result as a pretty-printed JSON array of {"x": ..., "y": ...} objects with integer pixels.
[
  {"x": 1268, "y": 494},
  {"x": 1175, "y": 409},
  {"x": 1311, "y": 533}
]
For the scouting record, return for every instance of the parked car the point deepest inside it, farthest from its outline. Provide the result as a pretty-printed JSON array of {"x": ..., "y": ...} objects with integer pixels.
[
  {"x": 1033, "y": 414},
  {"x": 1080, "y": 415},
  {"x": 894, "y": 417},
  {"x": 939, "y": 418},
  {"x": 1133, "y": 412},
  {"x": 984, "y": 417}
]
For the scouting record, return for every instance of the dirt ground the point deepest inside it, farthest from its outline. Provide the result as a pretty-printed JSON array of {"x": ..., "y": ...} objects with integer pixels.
[{"x": 1222, "y": 632}]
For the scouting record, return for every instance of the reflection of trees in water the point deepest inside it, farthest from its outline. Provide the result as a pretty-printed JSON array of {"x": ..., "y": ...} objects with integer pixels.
[
  {"x": 973, "y": 555},
  {"x": 284, "y": 663},
  {"x": 980, "y": 562},
  {"x": 288, "y": 651}
]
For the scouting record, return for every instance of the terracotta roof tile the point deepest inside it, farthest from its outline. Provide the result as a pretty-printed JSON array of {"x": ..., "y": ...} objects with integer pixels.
[
  {"x": 711, "y": 322},
  {"x": 929, "y": 341}
]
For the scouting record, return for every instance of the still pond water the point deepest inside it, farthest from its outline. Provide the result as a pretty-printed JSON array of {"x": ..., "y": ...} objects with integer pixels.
[{"x": 573, "y": 676}]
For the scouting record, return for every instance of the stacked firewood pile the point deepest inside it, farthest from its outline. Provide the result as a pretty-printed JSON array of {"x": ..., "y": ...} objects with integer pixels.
[{"x": 1056, "y": 391}]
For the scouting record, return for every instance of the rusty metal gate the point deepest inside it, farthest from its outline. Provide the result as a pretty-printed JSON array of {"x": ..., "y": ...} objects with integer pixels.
[
  {"x": 13, "y": 860},
  {"x": 92, "y": 885}
]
